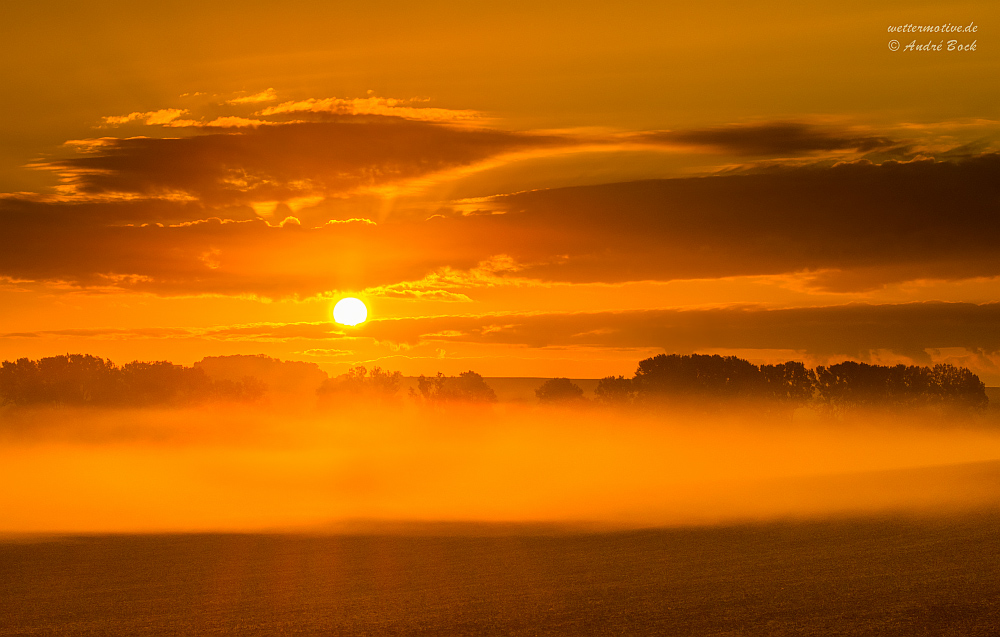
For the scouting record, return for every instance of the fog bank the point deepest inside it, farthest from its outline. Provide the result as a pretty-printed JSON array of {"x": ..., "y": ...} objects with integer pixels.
[{"x": 361, "y": 466}]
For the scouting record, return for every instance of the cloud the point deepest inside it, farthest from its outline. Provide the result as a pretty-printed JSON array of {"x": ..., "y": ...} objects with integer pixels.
[
  {"x": 260, "y": 332},
  {"x": 268, "y": 95},
  {"x": 773, "y": 138},
  {"x": 110, "y": 333},
  {"x": 326, "y": 353},
  {"x": 275, "y": 332},
  {"x": 492, "y": 272},
  {"x": 371, "y": 106},
  {"x": 21, "y": 214},
  {"x": 228, "y": 121},
  {"x": 854, "y": 330},
  {"x": 851, "y": 226},
  {"x": 279, "y": 162},
  {"x": 310, "y": 109},
  {"x": 858, "y": 225},
  {"x": 150, "y": 118},
  {"x": 44, "y": 242}
]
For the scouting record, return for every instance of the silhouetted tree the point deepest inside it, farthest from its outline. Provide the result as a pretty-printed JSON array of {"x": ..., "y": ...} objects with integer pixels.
[
  {"x": 69, "y": 379},
  {"x": 961, "y": 386},
  {"x": 615, "y": 390},
  {"x": 82, "y": 379},
  {"x": 357, "y": 382},
  {"x": 384, "y": 382},
  {"x": 18, "y": 382},
  {"x": 466, "y": 387},
  {"x": 350, "y": 382},
  {"x": 163, "y": 383},
  {"x": 559, "y": 390},
  {"x": 791, "y": 383},
  {"x": 697, "y": 376},
  {"x": 246, "y": 389},
  {"x": 849, "y": 385}
]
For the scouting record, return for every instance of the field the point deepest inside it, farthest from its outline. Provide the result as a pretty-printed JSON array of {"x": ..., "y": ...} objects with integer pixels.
[
  {"x": 513, "y": 520},
  {"x": 862, "y": 576}
]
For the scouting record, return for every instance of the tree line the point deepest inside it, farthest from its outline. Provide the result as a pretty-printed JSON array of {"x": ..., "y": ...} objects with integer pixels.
[
  {"x": 82, "y": 379},
  {"x": 846, "y": 385},
  {"x": 382, "y": 386}
]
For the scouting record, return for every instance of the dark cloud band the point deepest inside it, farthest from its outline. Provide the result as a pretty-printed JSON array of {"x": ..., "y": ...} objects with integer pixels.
[
  {"x": 856, "y": 225},
  {"x": 853, "y": 330}
]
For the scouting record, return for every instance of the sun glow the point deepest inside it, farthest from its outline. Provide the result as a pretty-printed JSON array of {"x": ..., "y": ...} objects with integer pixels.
[{"x": 350, "y": 311}]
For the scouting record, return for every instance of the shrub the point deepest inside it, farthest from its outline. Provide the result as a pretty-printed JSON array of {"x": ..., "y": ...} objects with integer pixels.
[
  {"x": 559, "y": 390},
  {"x": 358, "y": 382},
  {"x": 467, "y": 387},
  {"x": 615, "y": 390}
]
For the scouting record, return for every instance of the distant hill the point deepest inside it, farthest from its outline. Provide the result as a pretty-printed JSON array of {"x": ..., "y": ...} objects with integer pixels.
[{"x": 282, "y": 378}]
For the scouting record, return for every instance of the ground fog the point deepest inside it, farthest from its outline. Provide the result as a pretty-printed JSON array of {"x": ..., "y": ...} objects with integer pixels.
[{"x": 351, "y": 466}]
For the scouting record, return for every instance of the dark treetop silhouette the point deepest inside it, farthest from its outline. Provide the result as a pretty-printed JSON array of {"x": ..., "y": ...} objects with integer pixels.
[
  {"x": 838, "y": 387},
  {"x": 559, "y": 390},
  {"x": 466, "y": 387},
  {"x": 82, "y": 379},
  {"x": 358, "y": 382}
]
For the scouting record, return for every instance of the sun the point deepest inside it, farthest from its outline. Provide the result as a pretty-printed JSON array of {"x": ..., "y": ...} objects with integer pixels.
[{"x": 350, "y": 311}]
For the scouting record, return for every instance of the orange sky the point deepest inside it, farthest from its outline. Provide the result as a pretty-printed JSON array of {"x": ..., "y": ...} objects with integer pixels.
[{"x": 532, "y": 189}]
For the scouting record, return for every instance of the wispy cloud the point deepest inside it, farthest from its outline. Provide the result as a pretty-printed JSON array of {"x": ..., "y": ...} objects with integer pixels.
[
  {"x": 915, "y": 332},
  {"x": 849, "y": 227},
  {"x": 268, "y": 95},
  {"x": 151, "y": 118},
  {"x": 772, "y": 138},
  {"x": 228, "y": 121},
  {"x": 372, "y": 106},
  {"x": 856, "y": 331},
  {"x": 279, "y": 162},
  {"x": 442, "y": 283}
]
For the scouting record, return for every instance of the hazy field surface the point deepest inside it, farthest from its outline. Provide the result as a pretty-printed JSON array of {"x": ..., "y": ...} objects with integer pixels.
[
  {"x": 285, "y": 469},
  {"x": 876, "y": 576},
  {"x": 503, "y": 520}
]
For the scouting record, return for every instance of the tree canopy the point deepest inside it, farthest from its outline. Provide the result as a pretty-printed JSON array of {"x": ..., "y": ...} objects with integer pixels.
[
  {"x": 559, "y": 390},
  {"x": 358, "y": 382},
  {"x": 82, "y": 379},
  {"x": 848, "y": 385},
  {"x": 615, "y": 390},
  {"x": 696, "y": 379},
  {"x": 467, "y": 387}
]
